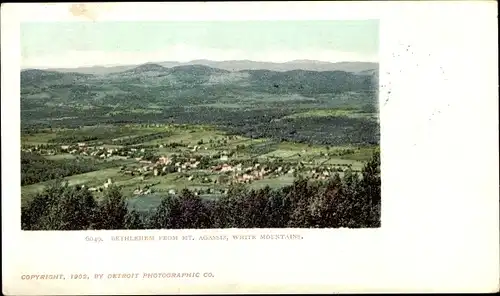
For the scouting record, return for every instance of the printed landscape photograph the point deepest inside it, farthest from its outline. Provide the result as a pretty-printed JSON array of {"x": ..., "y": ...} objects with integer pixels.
[{"x": 200, "y": 125}]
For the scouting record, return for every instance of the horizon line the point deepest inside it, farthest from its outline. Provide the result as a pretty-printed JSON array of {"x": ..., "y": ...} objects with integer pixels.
[{"x": 191, "y": 61}]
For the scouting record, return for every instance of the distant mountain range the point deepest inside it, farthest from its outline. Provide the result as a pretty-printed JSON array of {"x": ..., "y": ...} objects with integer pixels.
[
  {"x": 153, "y": 81},
  {"x": 236, "y": 65}
]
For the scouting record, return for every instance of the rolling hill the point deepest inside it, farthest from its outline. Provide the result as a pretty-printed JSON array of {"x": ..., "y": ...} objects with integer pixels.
[
  {"x": 254, "y": 103},
  {"x": 35, "y": 76},
  {"x": 203, "y": 79},
  {"x": 145, "y": 68}
]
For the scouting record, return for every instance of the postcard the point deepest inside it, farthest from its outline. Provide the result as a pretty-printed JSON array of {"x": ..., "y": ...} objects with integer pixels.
[{"x": 193, "y": 148}]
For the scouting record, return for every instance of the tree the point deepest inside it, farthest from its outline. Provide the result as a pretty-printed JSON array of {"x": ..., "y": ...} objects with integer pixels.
[
  {"x": 277, "y": 209},
  {"x": 133, "y": 221},
  {"x": 299, "y": 196},
  {"x": 326, "y": 209},
  {"x": 193, "y": 212},
  {"x": 166, "y": 216},
  {"x": 371, "y": 190},
  {"x": 60, "y": 207},
  {"x": 39, "y": 207},
  {"x": 148, "y": 155},
  {"x": 227, "y": 212},
  {"x": 253, "y": 208},
  {"x": 112, "y": 210}
]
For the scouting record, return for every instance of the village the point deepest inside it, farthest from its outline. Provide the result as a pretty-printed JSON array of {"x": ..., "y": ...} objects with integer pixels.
[{"x": 193, "y": 163}]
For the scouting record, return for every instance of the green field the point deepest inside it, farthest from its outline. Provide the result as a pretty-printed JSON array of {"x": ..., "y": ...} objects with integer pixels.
[{"x": 330, "y": 112}]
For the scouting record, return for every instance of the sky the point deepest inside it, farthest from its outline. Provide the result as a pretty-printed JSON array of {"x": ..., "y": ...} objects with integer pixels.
[{"x": 80, "y": 44}]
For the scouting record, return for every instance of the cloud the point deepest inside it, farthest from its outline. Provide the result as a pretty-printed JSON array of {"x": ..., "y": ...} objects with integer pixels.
[{"x": 184, "y": 53}]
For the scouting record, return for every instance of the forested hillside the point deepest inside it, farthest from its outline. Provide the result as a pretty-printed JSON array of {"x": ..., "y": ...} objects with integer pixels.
[{"x": 253, "y": 103}]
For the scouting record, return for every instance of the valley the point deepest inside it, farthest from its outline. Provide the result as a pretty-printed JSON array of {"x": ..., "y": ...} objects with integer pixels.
[
  {"x": 153, "y": 132},
  {"x": 150, "y": 161}
]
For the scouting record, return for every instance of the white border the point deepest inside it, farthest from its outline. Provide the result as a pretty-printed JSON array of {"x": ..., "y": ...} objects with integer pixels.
[{"x": 439, "y": 79}]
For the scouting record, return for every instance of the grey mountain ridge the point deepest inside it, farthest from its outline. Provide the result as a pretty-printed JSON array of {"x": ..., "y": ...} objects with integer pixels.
[{"x": 234, "y": 65}]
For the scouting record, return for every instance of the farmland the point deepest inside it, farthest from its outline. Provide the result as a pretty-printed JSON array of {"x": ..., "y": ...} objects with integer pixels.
[{"x": 166, "y": 158}]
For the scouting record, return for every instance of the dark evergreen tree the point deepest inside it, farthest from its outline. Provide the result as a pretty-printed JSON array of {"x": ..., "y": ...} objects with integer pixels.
[
  {"x": 134, "y": 221},
  {"x": 253, "y": 208},
  {"x": 192, "y": 213},
  {"x": 300, "y": 196},
  {"x": 228, "y": 211},
  {"x": 277, "y": 209},
  {"x": 112, "y": 210},
  {"x": 371, "y": 186},
  {"x": 166, "y": 216}
]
